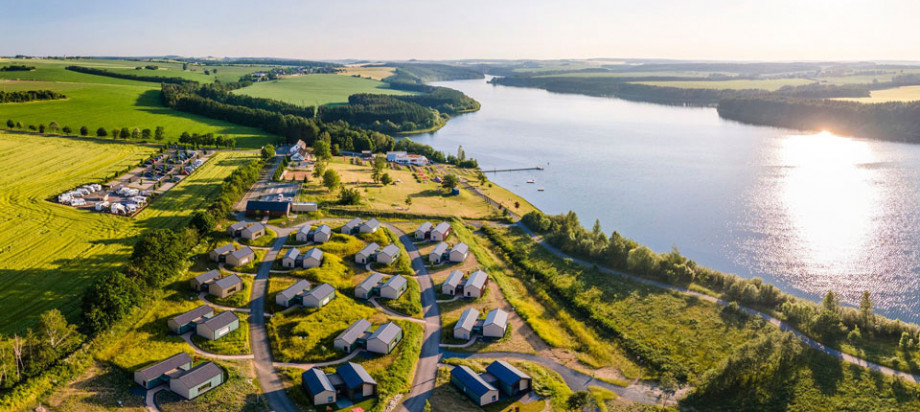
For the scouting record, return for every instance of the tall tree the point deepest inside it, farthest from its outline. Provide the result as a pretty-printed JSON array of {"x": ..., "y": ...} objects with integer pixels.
[
  {"x": 158, "y": 133},
  {"x": 865, "y": 310},
  {"x": 450, "y": 181},
  {"x": 53, "y": 327},
  {"x": 830, "y": 301},
  {"x": 380, "y": 163},
  {"x": 331, "y": 179}
]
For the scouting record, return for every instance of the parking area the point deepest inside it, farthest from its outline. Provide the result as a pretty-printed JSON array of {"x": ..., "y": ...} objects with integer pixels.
[{"x": 131, "y": 192}]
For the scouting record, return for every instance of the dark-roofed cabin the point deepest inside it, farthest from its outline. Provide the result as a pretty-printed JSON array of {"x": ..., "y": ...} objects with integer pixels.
[
  {"x": 510, "y": 380},
  {"x": 471, "y": 384},
  {"x": 384, "y": 339},
  {"x": 318, "y": 387},
  {"x": 200, "y": 283},
  {"x": 158, "y": 373},
  {"x": 188, "y": 320},
  {"x": 319, "y": 296},
  {"x": 358, "y": 383},
  {"x": 351, "y": 338},
  {"x": 259, "y": 208}
]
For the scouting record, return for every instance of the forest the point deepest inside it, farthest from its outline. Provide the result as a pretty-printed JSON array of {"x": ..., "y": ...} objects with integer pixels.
[
  {"x": 430, "y": 72},
  {"x": 383, "y": 113},
  {"x": 17, "y": 68},
  {"x": 897, "y": 121},
  {"x": 29, "y": 95}
]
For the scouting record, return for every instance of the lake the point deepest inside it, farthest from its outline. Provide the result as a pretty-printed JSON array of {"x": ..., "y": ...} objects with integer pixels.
[{"x": 807, "y": 212}]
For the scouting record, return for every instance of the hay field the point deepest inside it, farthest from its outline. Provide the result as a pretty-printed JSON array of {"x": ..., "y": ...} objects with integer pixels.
[{"x": 51, "y": 252}]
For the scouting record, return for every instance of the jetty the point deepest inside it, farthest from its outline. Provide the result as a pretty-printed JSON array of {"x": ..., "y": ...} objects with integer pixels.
[{"x": 520, "y": 169}]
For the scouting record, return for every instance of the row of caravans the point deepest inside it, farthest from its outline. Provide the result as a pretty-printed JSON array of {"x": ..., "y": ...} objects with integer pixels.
[{"x": 75, "y": 197}]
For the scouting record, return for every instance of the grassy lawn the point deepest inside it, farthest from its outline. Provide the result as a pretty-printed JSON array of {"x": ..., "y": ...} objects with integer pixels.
[
  {"x": 101, "y": 101},
  {"x": 898, "y": 94},
  {"x": 428, "y": 198},
  {"x": 233, "y": 343},
  {"x": 306, "y": 334},
  {"x": 316, "y": 89},
  {"x": 239, "y": 392},
  {"x": 333, "y": 271},
  {"x": 410, "y": 303},
  {"x": 341, "y": 245},
  {"x": 765, "y": 84},
  {"x": 505, "y": 197}
]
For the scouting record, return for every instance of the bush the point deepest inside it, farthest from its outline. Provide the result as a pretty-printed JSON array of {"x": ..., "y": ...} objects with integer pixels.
[
  {"x": 109, "y": 299},
  {"x": 350, "y": 197}
]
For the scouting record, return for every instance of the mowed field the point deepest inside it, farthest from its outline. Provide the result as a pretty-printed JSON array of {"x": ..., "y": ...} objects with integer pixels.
[
  {"x": 100, "y": 101},
  {"x": 370, "y": 72},
  {"x": 316, "y": 89},
  {"x": 765, "y": 84},
  {"x": 898, "y": 94},
  {"x": 51, "y": 252}
]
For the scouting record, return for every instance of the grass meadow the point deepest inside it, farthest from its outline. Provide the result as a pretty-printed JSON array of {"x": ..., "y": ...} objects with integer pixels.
[
  {"x": 370, "y": 72},
  {"x": 317, "y": 89},
  {"x": 101, "y": 101},
  {"x": 897, "y": 94},
  {"x": 428, "y": 198},
  {"x": 51, "y": 252}
]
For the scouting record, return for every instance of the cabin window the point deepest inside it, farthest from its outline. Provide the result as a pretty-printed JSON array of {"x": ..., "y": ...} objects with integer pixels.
[{"x": 204, "y": 387}]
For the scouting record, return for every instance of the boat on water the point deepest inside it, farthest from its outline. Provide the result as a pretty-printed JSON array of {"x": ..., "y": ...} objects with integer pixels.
[
  {"x": 540, "y": 189},
  {"x": 531, "y": 181}
]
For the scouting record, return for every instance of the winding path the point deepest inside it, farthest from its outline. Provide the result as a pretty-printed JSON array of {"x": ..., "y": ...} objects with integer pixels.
[
  {"x": 772, "y": 320},
  {"x": 461, "y": 345},
  {"x": 306, "y": 366},
  {"x": 203, "y": 297},
  {"x": 150, "y": 398},
  {"x": 392, "y": 313},
  {"x": 187, "y": 337}
]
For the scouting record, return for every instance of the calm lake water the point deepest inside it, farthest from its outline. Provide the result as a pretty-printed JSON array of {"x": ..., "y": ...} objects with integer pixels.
[{"x": 807, "y": 212}]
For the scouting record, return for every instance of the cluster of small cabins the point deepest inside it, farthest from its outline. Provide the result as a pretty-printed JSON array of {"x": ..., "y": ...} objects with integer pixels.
[
  {"x": 358, "y": 335},
  {"x": 321, "y": 234},
  {"x": 444, "y": 252},
  {"x": 248, "y": 231},
  {"x": 310, "y": 259},
  {"x": 493, "y": 326},
  {"x": 374, "y": 253},
  {"x": 485, "y": 388},
  {"x": 232, "y": 256},
  {"x": 215, "y": 284},
  {"x": 427, "y": 231},
  {"x": 204, "y": 323},
  {"x": 375, "y": 284},
  {"x": 473, "y": 287},
  {"x": 183, "y": 378},
  {"x": 350, "y": 380},
  {"x": 300, "y": 293},
  {"x": 357, "y": 226}
]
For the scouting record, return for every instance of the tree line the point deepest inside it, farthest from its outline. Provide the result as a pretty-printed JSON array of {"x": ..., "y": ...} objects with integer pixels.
[
  {"x": 29, "y": 95},
  {"x": 828, "y": 320},
  {"x": 442, "y": 99},
  {"x": 17, "y": 68},
  {"x": 898, "y": 121},
  {"x": 142, "y": 78}
]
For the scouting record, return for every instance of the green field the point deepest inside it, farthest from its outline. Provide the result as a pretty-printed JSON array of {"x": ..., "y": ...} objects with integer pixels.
[
  {"x": 100, "y": 101},
  {"x": 765, "y": 84},
  {"x": 51, "y": 252},
  {"x": 898, "y": 94},
  {"x": 316, "y": 89}
]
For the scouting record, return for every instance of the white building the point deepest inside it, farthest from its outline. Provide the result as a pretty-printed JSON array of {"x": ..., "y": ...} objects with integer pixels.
[
  {"x": 464, "y": 327},
  {"x": 495, "y": 324}
]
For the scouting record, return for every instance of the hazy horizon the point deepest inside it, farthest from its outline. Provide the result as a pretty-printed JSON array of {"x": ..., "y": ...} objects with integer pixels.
[{"x": 721, "y": 30}]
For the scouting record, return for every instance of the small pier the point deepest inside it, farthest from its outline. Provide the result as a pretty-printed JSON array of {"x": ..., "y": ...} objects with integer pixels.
[{"x": 520, "y": 169}]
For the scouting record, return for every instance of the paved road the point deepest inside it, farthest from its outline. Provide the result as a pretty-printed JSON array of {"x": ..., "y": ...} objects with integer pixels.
[
  {"x": 777, "y": 322},
  {"x": 150, "y": 399},
  {"x": 426, "y": 371},
  {"x": 638, "y": 392}
]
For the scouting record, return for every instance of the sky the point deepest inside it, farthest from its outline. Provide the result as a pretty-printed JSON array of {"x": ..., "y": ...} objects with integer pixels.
[{"x": 776, "y": 30}]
